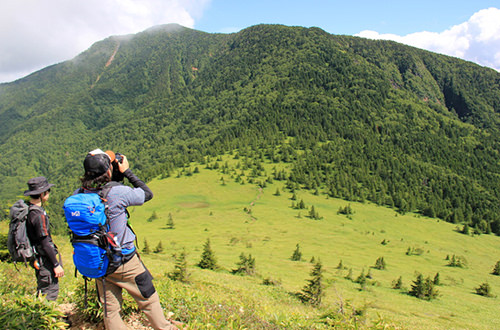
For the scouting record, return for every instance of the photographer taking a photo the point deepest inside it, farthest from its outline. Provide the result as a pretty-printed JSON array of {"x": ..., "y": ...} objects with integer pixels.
[{"x": 131, "y": 275}]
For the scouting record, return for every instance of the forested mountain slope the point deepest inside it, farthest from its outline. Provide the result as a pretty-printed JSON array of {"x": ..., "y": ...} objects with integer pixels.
[{"x": 358, "y": 119}]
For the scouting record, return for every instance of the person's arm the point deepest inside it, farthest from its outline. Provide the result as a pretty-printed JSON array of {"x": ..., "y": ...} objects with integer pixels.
[
  {"x": 134, "y": 180},
  {"x": 51, "y": 254}
]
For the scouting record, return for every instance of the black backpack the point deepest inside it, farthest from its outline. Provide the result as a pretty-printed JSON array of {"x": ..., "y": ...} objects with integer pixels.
[{"x": 18, "y": 243}]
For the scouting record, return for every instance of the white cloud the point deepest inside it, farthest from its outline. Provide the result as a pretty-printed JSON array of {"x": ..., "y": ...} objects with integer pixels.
[
  {"x": 35, "y": 34},
  {"x": 477, "y": 40}
]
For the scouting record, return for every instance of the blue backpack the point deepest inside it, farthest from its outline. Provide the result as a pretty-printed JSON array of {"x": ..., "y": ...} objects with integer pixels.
[{"x": 96, "y": 251}]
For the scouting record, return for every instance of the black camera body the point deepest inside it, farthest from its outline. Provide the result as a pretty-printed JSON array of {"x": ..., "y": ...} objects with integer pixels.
[{"x": 117, "y": 175}]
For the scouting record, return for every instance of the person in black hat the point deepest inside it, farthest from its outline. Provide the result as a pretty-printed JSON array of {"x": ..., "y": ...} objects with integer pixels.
[{"x": 47, "y": 267}]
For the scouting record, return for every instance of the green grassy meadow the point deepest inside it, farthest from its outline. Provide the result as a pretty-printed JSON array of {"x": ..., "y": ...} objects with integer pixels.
[
  {"x": 244, "y": 218},
  {"x": 212, "y": 205}
]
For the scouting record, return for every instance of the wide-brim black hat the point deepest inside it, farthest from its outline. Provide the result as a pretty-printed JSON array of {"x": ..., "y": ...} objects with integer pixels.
[{"x": 37, "y": 185}]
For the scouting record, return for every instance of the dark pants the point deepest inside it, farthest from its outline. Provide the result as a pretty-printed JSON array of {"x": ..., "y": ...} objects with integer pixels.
[{"x": 47, "y": 282}]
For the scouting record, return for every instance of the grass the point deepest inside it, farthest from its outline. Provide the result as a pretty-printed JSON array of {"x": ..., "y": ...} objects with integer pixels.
[{"x": 246, "y": 218}]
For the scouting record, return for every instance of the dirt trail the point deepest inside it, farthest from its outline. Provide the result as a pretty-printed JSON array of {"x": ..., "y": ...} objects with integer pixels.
[{"x": 252, "y": 203}]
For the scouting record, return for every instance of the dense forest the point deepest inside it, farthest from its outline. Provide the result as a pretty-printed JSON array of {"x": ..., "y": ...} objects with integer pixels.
[{"x": 358, "y": 119}]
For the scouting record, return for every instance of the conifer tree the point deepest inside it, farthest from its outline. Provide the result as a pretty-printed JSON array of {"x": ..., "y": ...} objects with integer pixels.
[
  {"x": 158, "y": 248},
  {"x": 398, "y": 284},
  {"x": 153, "y": 216},
  {"x": 180, "y": 272},
  {"x": 297, "y": 255},
  {"x": 496, "y": 269},
  {"x": 208, "y": 260},
  {"x": 246, "y": 265},
  {"x": 437, "y": 280},
  {"x": 380, "y": 263},
  {"x": 349, "y": 275},
  {"x": 312, "y": 293},
  {"x": 170, "y": 222},
  {"x": 484, "y": 289},
  {"x": 423, "y": 288},
  {"x": 146, "y": 249}
]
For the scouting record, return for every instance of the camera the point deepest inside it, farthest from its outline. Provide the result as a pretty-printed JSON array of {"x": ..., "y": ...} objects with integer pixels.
[
  {"x": 118, "y": 157},
  {"x": 117, "y": 175}
]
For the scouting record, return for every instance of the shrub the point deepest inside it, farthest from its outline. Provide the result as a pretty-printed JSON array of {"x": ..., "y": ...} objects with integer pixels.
[
  {"x": 90, "y": 308},
  {"x": 297, "y": 255},
  {"x": 312, "y": 292},
  {"x": 30, "y": 312},
  {"x": 180, "y": 272},
  {"x": 380, "y": 263},
  {"x": 457, "y": 261},
  {"x": 496, "y": 269},
  {"x": 423, "y": 289},
  {"x": 246, "y": 265},
  {"x": 484, "y": 289},
  {"x": 208, "y": 260},
  {"x": 398, "y": 284}
]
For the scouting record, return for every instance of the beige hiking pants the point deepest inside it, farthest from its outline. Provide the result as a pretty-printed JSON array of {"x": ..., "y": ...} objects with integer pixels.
[{"x": 136, "y": 279}]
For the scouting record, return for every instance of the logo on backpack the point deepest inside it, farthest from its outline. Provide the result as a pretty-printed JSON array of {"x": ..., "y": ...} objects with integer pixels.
[
  {"x": 95, "y": 248},
  {"x": 18, "y": 243}
]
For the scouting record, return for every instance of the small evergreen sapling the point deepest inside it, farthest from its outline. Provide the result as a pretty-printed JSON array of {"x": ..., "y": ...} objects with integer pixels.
[
  {"x": 208, "y": 260},
  {"x": 170, "y": 222},
  {"x": 158, "y": 248},
  {"x": 484, "y": 289},
  {"x": 496, "y": 269},
  {"x": 297, "y": 255},
  {"x": 423, "y": 288},
  {"x": 180, "y": 272},
  {"x": 380, "y": 263},
  {"x": 146, "y": 249},
  {"x": 313, "y": 291},
  {"x": 246, "y": 265}
]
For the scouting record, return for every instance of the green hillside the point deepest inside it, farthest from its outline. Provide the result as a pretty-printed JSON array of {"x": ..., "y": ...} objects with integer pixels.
[
  {"x": 241, "y": 207},
  {"x": 357, "y": 119}
]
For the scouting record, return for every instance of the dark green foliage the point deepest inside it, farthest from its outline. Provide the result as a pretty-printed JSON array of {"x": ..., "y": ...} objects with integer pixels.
[
  {"x": 423, "y": 288},
  {"x": 146, "y": 249},
  {"x": 4, "y": 252},
  {"x": 346, "y": 210},
  {"x": 437, "y": 280},
  {"x": 398, "y": 284},
  {"x": 170, "y": 222},
  {"x": 380, "y": 263},
  {"x": 484, "y": 289},
  {"x": 496, "y": 269},
  {"x": 313, "y": 291},
  {"x": 180, "y": 272},
  {"x": 387, "y": 123},
  {"x": 361, "y": 279},
  {"x": 246, "y": 265},
  {"x": 158, "y": 248},
  {"x": 313, "y": 214},
  {"x": 414, "y": 251},
  {"x": 297, "y": 255},
  {"x": 153, "y": 217},
  {"x": 208, "y": 260},
  {"x": 457, "y": 261}
]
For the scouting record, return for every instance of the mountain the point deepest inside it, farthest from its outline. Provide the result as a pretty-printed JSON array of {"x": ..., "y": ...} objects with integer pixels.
[{"x": 358, "y": 119}]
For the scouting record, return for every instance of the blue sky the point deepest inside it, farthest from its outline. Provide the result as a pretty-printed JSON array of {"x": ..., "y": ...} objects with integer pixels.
[
  {"x": 35, "y": 34},
  {"x": 342, "y": 17}
]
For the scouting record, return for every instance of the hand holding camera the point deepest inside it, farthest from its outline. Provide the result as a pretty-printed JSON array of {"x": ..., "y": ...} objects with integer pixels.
[
  {"x": 122, "y": 162},
  {"x": 120, "y": 165}
]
